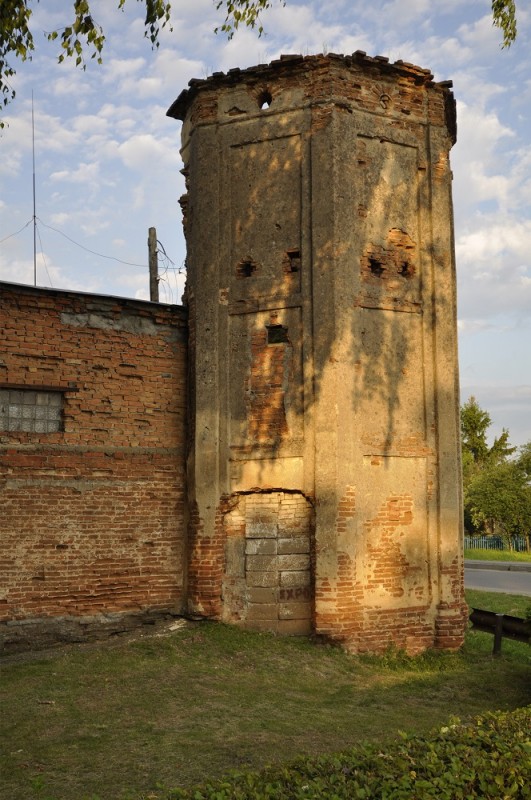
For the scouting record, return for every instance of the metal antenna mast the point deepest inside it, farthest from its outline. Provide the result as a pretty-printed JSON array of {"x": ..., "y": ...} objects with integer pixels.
[{"x": 34, "y": 203}]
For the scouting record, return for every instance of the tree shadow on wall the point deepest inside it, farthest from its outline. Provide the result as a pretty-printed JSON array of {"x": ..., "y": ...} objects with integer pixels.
[{"x": 330, "y": 271}]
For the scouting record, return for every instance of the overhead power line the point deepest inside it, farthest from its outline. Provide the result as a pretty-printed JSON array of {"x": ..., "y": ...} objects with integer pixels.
[
  {"x": 94, "y": 253},
  {"x": 65, "y": 235}
]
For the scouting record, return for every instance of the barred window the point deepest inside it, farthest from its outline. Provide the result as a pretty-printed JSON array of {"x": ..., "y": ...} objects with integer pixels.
[{"x": 32, "y": 410}]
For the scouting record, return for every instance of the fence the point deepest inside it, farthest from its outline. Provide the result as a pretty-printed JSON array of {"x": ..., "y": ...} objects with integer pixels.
[{"x": 519, "y": 543}]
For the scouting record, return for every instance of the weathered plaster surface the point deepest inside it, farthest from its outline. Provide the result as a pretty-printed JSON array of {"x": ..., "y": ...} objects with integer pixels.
[{"x": 321, "y": 288}]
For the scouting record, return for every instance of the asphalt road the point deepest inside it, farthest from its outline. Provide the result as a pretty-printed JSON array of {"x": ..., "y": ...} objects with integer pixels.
[{"x": 502, "y": 578}]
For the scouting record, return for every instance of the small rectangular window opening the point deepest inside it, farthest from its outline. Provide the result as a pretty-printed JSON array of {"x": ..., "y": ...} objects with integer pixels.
[
  {"x": 294, "y": 260},
  {"x": 31, "y": 410},
  {"x": 277, "y": 334}
]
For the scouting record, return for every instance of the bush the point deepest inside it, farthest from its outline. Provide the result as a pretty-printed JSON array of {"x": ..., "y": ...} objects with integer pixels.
[{"x": 489, "y": 758}]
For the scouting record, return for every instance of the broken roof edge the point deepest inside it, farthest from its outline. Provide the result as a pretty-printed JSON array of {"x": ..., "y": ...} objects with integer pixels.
[{"x": 286, "y": 63}]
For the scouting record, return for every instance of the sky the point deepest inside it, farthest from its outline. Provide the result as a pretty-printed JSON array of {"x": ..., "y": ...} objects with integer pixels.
[{"x": 107, "y": 163}]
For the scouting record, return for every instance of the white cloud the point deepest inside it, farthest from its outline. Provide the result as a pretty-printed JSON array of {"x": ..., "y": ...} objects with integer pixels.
[
  {"x": 120, "y": 69},
  {"x": 85, "y": 173},
  {"x": 144, "y": 152},
  {"x": 61, "y": 219},
  {"x": 49, "y": 275},
  {"x": 494, "y": 270},
  {"x": 481, "y": 35},
  {"x": 495, "y": 239},
  {"x": 478, "y": 160},
  {"x": 90, "y": 124}
]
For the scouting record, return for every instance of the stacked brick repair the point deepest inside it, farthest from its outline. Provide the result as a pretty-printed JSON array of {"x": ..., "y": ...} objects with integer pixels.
[{"x": 93, "y": 515}]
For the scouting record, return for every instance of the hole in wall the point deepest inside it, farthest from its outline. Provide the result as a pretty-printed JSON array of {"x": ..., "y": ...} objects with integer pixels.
[
  {"x": 277, "y": 334},
  {"x": 292, "y": 261},
  {"x": 246, "y": 268},
  {"x": 405, "y": 269},
  {"x": 264, "y": 100},
  {"x": 376, "y": 267}
]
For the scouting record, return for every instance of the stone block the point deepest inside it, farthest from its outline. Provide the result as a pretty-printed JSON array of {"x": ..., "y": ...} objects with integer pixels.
[
  {"x": 235, "y": 557},
  {"x": 295, "y": 593},
  {"x": 256, "y": 529},
  {"x": 262, "y": 594},
  {"x": 294, "y": 562},
  {"x": 257, "y": 579},
  {"x": 294, "y": 627},
  {"x": 262, "y": 611},
  {"x": 295, "y": 610},
  {"x": 260, "y": 563},
  {"x": 294, "y": 578},
  {"x": 261, "y": 547},
  {"x": 295, "y": 544}
]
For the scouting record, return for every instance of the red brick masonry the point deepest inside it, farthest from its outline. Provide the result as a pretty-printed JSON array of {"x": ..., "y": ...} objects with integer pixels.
[{"x": 92, "y": 517}]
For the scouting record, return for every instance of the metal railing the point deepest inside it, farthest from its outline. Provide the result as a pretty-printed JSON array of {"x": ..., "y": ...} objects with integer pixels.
[
  {"x": 501, "y": 625},
  {"x": 483, "y": 542}
]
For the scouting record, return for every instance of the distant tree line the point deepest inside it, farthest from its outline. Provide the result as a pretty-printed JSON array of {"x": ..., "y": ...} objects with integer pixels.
[{"x": 496, "y": 480}]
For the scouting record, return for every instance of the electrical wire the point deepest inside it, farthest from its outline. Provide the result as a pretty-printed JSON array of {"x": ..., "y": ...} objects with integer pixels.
[
  {"x": 44, "y": 258},
  {"x": 94, "y": 253},
  {"x": 169, "y": 266},
  {"x": 17, "y": 232},
  {"x": 164, "y": 253},
  {"x": 169, "y": 269},
  {"x": 162, "y": 280}
]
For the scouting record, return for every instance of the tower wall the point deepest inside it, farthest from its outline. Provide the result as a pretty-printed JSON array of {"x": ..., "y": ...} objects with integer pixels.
[{"x": 323, "y": 468}]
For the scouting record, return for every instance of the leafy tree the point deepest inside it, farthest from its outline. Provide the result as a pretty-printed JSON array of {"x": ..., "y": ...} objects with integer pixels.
[
  {"x": 477, "y": 455},
  {"x": 499, "y": 501},
  {"x": 504, "y": 17},
  {"x": 497, "y": 490},
  {"x": 84, "y": 35}
]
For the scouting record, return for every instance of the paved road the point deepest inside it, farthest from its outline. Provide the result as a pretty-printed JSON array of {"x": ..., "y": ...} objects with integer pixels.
[{"x": 505, "y": 577}]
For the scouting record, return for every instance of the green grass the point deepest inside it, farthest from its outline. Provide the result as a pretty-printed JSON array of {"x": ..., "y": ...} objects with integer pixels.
[
  {"x": 497, "y": 555},
  {"x": 129, "y": 719},
  {"x": 513, "y": 604}
]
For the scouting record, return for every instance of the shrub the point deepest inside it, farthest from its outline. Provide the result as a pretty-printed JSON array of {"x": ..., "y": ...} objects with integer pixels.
[{"x": 489, "y": 758}]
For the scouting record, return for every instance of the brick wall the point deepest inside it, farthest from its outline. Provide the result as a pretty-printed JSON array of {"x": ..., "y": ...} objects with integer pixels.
[{"x": 92, "y": 517}]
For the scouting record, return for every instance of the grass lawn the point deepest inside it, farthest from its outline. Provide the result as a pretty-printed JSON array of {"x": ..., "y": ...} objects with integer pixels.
[
  {"x": 131, "y": 718},
  {"x": 497, "y": 555}
]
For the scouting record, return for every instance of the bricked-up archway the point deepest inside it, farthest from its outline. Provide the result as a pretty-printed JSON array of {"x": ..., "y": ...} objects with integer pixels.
[{"x": 268, "y": 578}]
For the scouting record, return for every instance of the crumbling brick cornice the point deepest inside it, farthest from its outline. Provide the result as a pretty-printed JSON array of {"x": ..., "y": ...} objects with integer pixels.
[{"x": 291, "y": 64}]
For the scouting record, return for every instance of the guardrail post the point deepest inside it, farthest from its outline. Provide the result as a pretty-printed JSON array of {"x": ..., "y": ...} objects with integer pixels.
[{"x": 498, "y": 633}]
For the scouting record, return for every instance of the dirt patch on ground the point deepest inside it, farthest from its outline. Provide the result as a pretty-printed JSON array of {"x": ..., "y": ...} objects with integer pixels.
[{"x": 39, "y": 640}]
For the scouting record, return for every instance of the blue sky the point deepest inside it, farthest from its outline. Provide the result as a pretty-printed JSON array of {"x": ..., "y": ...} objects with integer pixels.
[{"x": 107, "y": 157}]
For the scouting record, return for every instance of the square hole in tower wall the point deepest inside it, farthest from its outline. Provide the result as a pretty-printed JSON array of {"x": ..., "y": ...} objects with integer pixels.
[
  {"x": 277, "y": 334},
  {"x": 246, "y": 268},
  {"x": 292, "y": 261}
]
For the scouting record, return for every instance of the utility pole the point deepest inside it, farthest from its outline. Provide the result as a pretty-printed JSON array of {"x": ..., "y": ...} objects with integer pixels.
[{"x": 153, "y": 266}]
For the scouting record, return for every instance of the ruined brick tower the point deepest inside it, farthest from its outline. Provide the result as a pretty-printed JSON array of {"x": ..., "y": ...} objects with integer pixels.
[{"x": 323, "y": 465}]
